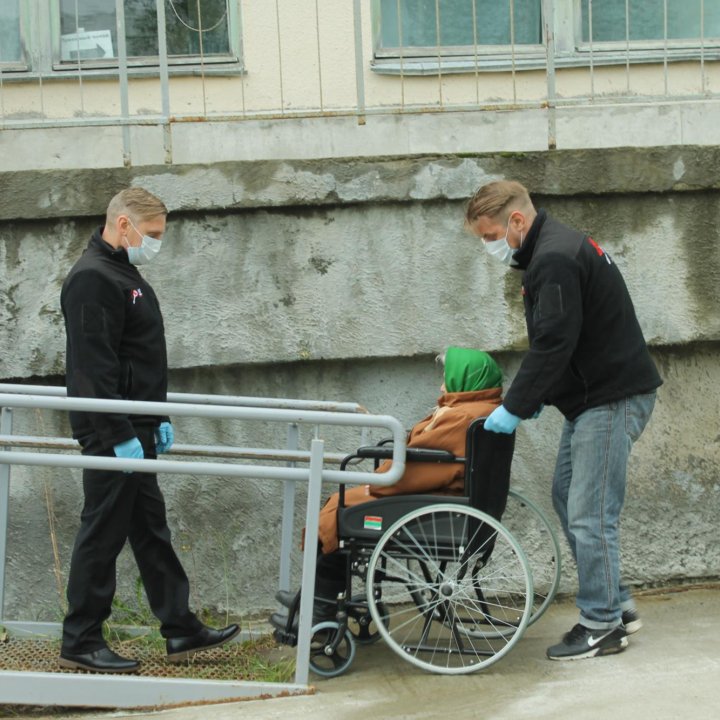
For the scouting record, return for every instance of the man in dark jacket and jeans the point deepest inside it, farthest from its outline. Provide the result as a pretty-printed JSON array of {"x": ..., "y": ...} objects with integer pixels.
[
  {"x": 116, "y": 350},
  {"x": 587, "y": 357}
]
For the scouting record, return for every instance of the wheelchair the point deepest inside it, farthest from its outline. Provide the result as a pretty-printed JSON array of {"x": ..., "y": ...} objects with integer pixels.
[{"x": 440, "y": 578}]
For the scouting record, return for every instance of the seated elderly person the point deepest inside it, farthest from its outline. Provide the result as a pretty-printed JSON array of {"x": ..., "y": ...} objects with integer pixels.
[{"x": 472, "y": 389}]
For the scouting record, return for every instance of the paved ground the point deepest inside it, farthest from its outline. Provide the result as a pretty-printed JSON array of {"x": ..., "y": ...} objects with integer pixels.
[{"x": 671, "y": 670}]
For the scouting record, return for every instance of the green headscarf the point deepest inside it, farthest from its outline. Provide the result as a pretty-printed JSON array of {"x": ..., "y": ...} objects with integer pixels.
[{"x": 469, "y": 370}]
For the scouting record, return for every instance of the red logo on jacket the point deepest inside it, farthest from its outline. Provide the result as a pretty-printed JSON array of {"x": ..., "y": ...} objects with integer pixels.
[{"x": 599, "y": 250}]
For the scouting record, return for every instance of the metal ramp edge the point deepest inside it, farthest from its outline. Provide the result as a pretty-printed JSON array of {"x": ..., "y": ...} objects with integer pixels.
[{"x": 114, "y": 691}]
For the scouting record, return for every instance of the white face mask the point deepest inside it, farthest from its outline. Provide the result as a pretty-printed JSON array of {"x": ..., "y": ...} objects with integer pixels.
[
  {"x": 501, "y": 250},
  {"x": 147, "y": 250}
]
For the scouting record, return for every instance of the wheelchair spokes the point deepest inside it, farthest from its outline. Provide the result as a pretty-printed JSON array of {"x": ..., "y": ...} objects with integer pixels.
[
  {"x": 451, "y": 607},
  {"x": 360, "y": 622}
]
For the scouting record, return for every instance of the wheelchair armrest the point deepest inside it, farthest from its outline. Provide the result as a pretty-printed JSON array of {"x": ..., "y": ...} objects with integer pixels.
[
  {"x": 385, "y": 452},
  {"x": 412, "y": 454}
]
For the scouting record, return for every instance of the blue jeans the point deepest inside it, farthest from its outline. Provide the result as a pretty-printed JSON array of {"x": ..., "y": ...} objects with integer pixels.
[{"x": 588, "y": 494}]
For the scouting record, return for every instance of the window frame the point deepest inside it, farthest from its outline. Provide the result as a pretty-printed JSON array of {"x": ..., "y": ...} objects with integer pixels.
[
  {"x": 417, "y": 60},
  {"x": 570, "y": 49},
  {"x": 637, "y": 50},
  {"x": 23, "y": 64},
  {"x": 40, "y": 40}
]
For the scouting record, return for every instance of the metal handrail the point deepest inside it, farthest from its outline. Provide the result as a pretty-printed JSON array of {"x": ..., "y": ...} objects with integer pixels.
[
  {"x": 204, "y": 399},
  {"x": 220, "y": 451},
  {"x": 132, "y": 407}
]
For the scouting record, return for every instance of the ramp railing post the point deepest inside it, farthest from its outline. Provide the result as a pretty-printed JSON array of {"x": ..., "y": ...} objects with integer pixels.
[
  {"x": 288, "y": 514},
  {"x": 5, "y": 429},
  {"x": 307, "y": 588}
]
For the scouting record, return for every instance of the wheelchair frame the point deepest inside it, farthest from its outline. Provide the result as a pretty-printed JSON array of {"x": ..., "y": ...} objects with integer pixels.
[{"x": 447, "y": 584}]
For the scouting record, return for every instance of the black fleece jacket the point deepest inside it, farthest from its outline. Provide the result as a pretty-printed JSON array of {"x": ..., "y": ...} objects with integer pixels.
[
  {"x": 115, "y": 341},
  {"x": 586, "y": 345}
]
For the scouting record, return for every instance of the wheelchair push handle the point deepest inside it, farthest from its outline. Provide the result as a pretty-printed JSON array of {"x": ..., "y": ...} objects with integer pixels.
[{"x": 385, "y": 452}]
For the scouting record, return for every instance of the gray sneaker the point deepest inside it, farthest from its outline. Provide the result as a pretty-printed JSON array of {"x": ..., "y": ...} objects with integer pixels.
[
  {"x": 582, "y": 642},
  {"x": 631, "y": 621}
]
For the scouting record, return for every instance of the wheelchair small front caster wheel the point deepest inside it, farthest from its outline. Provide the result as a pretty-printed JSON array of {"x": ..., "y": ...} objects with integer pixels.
[
  {"x": 360, "y": 622},
  {"x": 330, "y": 653}
]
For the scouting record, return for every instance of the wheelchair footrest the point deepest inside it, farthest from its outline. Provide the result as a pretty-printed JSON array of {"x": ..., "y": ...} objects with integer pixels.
[
  {"x": 283, "y": 634},
  {"x": 285, "y": 638}
]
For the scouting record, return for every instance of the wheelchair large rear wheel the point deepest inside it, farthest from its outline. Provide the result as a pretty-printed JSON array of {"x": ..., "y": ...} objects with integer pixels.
[
  {"x": 533, "y": 530},
  {"x": 450, "y": 609}
]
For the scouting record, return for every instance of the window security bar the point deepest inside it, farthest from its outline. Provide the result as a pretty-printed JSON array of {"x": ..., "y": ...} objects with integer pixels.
[{"x": 445, "y": 55}]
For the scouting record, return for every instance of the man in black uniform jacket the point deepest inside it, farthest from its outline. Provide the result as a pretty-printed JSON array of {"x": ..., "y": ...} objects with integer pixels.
[
  {"x": 116, "y": 350},
  {"x": 588, "y": 357}
]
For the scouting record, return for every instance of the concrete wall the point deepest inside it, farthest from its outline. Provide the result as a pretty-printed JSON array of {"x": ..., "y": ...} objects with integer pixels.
[{"x": 339, "y": 280}]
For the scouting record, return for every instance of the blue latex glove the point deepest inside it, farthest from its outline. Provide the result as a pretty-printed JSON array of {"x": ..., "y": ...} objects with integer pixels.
[
  {"x": 164, "y": 437},
  {"x": 129, "y": 449},
  {"x": 501, "y": 421}
]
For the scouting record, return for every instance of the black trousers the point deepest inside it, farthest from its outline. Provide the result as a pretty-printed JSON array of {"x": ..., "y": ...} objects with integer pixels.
[
  {"x": 119, "y": 507},
  {"x": 330, "y": 575}
]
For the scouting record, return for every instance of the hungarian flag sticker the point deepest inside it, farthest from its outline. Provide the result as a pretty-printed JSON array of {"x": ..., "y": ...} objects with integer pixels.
[{"x": 372, "y": 522}]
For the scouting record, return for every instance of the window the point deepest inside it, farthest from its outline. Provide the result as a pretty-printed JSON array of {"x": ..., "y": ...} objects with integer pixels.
[
  {"x": 10, "y": 45},
  {"x": 88, "y": 30},
  {"x": 422, "y": 36},
  {"x": 59, "y": 37},
  {"x": 633, "y": 20},
  {"x": 414, "y": 24}
]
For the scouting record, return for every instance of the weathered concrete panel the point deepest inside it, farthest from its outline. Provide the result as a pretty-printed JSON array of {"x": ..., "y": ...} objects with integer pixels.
[
  {"x": 351, "y": 279},
  {"x": 276, "y": 183}
]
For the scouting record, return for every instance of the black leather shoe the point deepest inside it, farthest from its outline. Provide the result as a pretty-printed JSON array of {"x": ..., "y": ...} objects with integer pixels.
[
  {"x": 181, "y": 648},
  {"x": 103, "y": 660}
]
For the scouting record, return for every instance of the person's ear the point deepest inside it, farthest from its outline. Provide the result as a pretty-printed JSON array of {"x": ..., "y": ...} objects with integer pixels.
[
  {"x": 122, "y": 225},
  {"x": 517, "y": 221}
]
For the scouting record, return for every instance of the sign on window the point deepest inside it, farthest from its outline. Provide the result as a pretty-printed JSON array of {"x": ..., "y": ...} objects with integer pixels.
[{"x": 90, "y": 45}]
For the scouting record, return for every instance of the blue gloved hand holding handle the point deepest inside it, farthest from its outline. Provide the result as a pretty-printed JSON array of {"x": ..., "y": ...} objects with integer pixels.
[
  {"x": 164, "y": 437},
  {"x": 129, "y": 449},
  {"x": 502, "y": 421}
]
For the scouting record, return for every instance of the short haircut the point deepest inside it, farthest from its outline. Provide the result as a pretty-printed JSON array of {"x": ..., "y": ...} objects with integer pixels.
[
  {"x": 497, "y": 200},
  {"x": 137, "y": 203}
]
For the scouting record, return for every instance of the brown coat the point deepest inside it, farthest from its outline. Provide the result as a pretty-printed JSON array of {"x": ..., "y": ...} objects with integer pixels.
[{"x": 444, "y": 429}]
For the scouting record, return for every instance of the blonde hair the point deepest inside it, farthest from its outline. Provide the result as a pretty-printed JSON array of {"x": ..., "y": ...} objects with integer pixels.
[
  {"x": 137, "y": 203},
  {"x": 497, "y": 200}
]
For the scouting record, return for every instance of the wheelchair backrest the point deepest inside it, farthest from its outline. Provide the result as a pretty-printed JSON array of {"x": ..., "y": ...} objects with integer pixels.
[{"x": 487, "y": 468}]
